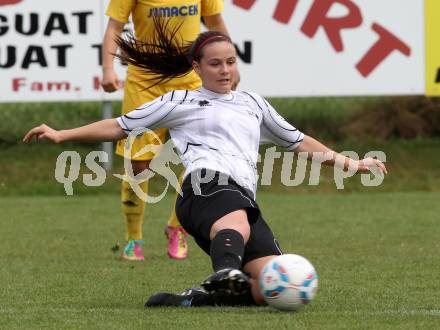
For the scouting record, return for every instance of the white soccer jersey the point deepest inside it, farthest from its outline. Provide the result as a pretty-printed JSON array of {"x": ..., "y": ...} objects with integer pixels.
[{"x": 221, "y": 132}]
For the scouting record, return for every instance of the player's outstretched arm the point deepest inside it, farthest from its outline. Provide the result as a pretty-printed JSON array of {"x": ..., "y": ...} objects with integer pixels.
[
  {"x": 316, "y": 149},
  {"x": 100, "y": 131}
]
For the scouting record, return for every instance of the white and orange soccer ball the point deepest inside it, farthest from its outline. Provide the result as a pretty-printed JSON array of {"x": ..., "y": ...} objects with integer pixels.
[{"x": 288, "y": 282}]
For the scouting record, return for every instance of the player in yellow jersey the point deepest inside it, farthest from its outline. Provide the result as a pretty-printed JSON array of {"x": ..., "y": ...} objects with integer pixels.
[{"x": 188, "y": 13}]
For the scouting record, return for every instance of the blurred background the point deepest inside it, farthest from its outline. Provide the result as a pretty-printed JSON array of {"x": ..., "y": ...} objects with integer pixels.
[{"x": 357, "y": 75}]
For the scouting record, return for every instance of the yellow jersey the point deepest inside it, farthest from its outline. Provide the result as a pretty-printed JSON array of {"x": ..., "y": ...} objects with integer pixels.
[{"x": 188, "y": 13}]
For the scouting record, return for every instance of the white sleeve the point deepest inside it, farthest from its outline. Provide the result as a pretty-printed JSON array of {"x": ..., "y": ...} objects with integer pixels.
[
  {"x": 274, "y": 128},
  {"x": 159, "y": 113}
]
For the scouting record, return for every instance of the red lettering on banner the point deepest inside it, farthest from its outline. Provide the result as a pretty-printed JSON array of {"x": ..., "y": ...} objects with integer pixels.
[
  {"x": 245, "y": 4},
  {"x": 386, "y": 44},
  {"x": 284, "y": 10},
  {"x": 19, "y": 84},
  {"x": 37, "y": 86},
  {"x": 317, "y": 17},
  {"x": 96, "y": 83},
  {"x": 9, "y": 2},
  {"x": 58, "y": 86}
]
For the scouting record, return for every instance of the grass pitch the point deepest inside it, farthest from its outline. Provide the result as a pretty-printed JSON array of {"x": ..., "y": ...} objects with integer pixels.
[{"x": 376, "y": 255}]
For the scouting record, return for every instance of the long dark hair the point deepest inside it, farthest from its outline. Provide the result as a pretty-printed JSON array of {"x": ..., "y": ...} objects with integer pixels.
[{"x": 164, "y": 57}]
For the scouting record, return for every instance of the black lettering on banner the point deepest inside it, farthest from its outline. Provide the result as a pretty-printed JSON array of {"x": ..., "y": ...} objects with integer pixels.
[
  {"x": 11, "y": 57},
  {"x": 82, "y": 21},
  {"x": 437, "y": 80},
  {"x": 31, "y": 29},
  {"x": 34, "y": 54},
  {"x": 61, "y": 53},
  {"x": 3, "y": 28},
  {"x": 99, "y": 48},
  {"x": 56, "y": 21},
  {"x": 246, "y": 55}
]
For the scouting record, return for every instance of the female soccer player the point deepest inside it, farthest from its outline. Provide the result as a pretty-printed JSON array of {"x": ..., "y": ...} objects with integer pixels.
[
  {"x": 217, "y": 133},
  {"x": 187, "y": 14}
]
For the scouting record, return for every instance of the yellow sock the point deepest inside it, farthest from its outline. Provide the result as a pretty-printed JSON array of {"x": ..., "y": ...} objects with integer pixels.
[
  {"x": 133, "y": 209},
  {"x": 173, "y": 221}
]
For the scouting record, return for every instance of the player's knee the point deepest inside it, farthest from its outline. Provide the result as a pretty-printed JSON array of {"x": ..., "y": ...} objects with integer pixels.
[{"x": 236, "y": 220}]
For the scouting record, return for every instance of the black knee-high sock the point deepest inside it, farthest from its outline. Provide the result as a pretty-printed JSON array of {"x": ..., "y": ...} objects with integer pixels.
[{"x": 227, "y": 249}]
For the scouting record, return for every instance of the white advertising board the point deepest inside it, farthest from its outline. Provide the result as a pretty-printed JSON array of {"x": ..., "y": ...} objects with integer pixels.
[
  {"x": 330, "y": 47},
  {"x": 50, "y": 50}
]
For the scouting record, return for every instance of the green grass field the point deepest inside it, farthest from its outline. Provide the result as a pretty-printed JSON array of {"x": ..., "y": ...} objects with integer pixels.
[
  {"x": 375, "y": 249},
  {"x": 376, "y": 255}
]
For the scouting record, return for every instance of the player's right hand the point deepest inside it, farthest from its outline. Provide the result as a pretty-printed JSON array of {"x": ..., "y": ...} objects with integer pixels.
[
  {"x": 110, "y": 80},
  {"x": 43, "y": 132}
]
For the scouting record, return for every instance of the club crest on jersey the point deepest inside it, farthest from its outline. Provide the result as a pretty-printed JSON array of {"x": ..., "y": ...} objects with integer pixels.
[
  {"x": 174, "y": 11},
  {"x": 253, "y": 114},
  {"x": 204, "y": 103}
]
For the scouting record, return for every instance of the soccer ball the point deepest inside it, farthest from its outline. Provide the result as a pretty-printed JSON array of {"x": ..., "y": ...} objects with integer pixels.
[{"x": 288, "y": 282}]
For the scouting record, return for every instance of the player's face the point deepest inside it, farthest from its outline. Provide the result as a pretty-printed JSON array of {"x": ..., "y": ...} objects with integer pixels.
[{"x": 218, "y": 67}]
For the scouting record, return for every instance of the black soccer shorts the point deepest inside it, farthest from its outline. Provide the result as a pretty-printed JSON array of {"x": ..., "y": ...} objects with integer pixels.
[{"x": 203, "y": 203}]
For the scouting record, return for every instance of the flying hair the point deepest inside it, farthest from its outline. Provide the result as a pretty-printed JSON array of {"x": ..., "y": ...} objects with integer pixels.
[{"x": 167, "y": 56}]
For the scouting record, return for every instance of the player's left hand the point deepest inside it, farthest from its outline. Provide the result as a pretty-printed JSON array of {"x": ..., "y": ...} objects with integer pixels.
[
  {"x": 365, "y": 165},
  {"x": 43, "y": 132}
]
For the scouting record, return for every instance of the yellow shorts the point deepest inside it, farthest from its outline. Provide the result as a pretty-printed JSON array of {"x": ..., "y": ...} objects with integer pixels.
[{"x": 135, "y": 95}]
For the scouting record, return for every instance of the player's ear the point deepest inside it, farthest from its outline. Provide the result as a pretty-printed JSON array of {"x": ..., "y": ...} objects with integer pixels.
[{"x": 196, "y": 67}]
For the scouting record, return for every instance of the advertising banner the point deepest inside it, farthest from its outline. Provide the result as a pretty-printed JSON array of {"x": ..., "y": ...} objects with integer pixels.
[
  {"x": 330, "y": 47},
  {"x": 51, "y": 50}
]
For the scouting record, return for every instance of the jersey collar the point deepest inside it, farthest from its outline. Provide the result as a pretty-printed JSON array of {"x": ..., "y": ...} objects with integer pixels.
[{"x": 214, "y": 95}]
